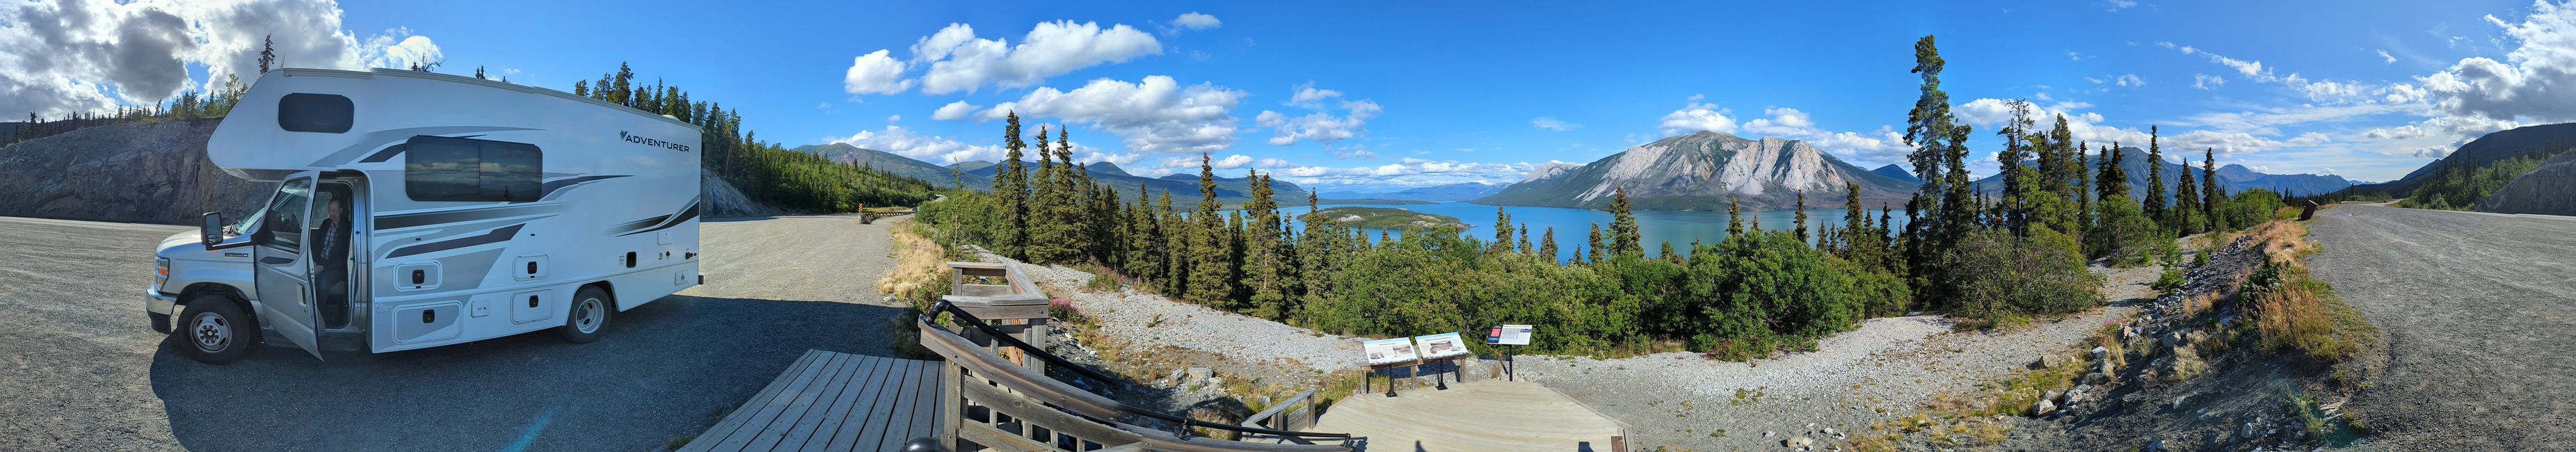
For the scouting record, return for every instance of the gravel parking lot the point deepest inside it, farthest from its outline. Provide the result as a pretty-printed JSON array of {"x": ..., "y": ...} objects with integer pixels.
[{"x": 86, "y": 372}]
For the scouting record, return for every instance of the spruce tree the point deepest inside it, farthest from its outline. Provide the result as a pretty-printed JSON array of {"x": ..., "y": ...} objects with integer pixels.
[
  {"x": 1265, "y": 265},
  {"x": 1502, "y": 231},
  {"x": 1734, "y": 217},
  {"x": 1547, "y": 244},
  {"x": 268, "y": 53},
  {"x": 1525, "y": 242},
  {"x": 2186, "y": 199},
  {"x": 1668, "y": 255},
  {"x": 1802, "y": 217},
  {"x": 1210, "y": 273},
  {"x": 1624, "y": 239},
  {"x": 1055, "y": 219},
  {"x": 1144, "y": 238},
  {"x": 2210, "y": 192},
  {"x": 2154, "y": 202},
  {"x": 2083, "y": 189},
  {"x": 1012, "y": 184},
  {"x": 1177, "y": 237},
  {"x": 1593, "y": 244}
]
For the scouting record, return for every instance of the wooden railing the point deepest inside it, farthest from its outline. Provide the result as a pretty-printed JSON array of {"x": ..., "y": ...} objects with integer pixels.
[{"x": 997, "y": 403}]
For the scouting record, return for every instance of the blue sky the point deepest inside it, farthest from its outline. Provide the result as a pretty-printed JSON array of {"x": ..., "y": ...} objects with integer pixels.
[{"x": 1368, "y": 95}]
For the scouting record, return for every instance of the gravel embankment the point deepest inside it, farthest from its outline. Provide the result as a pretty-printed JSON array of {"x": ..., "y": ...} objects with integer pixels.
[{"x": 1886, "y": 369}]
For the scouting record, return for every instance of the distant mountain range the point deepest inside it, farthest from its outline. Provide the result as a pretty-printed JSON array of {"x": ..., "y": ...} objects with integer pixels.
[
  {"x": 1702, "y": 171},
  {"x": 2235, "y": 178},
  {"x": 978, "y": 174},
  {"x": 1463, "y": 191},
  {"x": 1898, "y": 173}
]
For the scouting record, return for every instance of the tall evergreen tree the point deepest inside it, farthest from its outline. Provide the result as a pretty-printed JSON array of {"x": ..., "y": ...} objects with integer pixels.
[
  {"x": 2154, "y": 203},
  {"x": 1055, "y": 216},
  {"x": 1502, "y": 230},
  {"x": 1624, "y": 239},
  {"x": 1593, "y": 244},
  {"x": 2210, "y": 193},
  {"x": 1525, "y": 242},
  {"x": 267, "y": 53},
  {"x": 1802, "y": 217},
  {"x": 1145, "y": 239},
  {"x": 2186, "y": 202},
  {"x": 1211, "y": 275},
  {"x": 1734, "y": 217},
  {"x": 1547, "y": 244},
  {"x": 2083, "y": 188},
  {"x": 1012, "y": 184},
  {"x": 1178, "y": 235},
  {"x": 1266, "y": 267},
  {"x": 2017, "y": 147}
]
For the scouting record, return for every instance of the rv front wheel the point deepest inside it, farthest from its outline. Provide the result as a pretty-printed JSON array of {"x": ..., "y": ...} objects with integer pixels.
[
  {"x": 589, "y": 316},
  {"x": 213, "y": 330}
]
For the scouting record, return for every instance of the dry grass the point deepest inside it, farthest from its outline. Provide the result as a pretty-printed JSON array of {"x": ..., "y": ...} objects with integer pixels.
[
  {"x": 2297, "y": 312},
  {"x": 921, "y": 270},
  {"x": 2283, "y": 241}
]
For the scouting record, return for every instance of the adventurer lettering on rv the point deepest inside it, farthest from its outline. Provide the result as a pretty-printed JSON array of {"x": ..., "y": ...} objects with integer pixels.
[{"x": 640, "y": 139}]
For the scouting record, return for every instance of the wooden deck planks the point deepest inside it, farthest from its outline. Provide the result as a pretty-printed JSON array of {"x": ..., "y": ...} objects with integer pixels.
[{"x": 833, "y": 401}]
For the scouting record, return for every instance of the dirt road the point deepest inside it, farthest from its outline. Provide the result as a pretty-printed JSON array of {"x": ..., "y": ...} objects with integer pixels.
[
  {"x": 2480, "y": 316},
  {"x": 84, "y": 370}
]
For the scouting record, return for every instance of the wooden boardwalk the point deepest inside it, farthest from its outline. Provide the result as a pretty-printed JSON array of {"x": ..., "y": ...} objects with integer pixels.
[
  {"x": 834, "y": 401},
  {"x": 1483, "y": 415}
]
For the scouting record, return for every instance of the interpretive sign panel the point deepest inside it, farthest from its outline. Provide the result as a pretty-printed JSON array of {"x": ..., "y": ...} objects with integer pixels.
[
  {"x": 1509, "y": 335},
  {"x": 1390, "y": 351},
  {"x": 1443, "y": 345}
]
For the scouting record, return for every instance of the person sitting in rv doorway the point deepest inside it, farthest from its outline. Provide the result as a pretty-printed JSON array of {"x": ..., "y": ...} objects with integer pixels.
[{"x": 331, "y": 253}]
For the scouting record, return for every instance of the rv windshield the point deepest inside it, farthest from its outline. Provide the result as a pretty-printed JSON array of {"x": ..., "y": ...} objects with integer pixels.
[{"x": 244, "y": 223}]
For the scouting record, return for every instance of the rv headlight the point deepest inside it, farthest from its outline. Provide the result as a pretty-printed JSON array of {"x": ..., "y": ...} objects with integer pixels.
[{"x": 161, "y": 271}]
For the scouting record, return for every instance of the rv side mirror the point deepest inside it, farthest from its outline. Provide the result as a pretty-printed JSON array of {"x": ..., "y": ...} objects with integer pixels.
[{"x": 212, "y": 231}]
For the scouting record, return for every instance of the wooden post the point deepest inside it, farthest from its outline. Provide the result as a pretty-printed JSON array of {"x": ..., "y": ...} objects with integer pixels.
[{"x": 952, "y": 404}]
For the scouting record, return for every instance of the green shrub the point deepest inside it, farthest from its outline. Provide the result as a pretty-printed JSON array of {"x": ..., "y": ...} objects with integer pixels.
[
  {"x": 2169, "y": 282},
  {"x": 2123, "y": 233},
  {"x": 1998, "y": 277}
]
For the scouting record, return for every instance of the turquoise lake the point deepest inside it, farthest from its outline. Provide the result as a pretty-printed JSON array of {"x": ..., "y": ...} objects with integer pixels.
[{"x": 1657, "y": 226}]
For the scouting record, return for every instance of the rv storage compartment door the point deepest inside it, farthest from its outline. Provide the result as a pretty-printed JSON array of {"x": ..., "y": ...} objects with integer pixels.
[
  {"x": 425, "y": 322},
  {"x": 532, "y": 306}
]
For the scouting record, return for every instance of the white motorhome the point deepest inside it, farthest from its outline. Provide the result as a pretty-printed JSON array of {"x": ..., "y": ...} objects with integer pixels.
[{"x": 416, "y": 209}]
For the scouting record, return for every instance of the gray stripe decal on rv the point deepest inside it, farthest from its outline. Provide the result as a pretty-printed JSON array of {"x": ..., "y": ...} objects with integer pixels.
[
  {"x": 553, "y": 186},
  {"x": 667, "y": 222},
  {"x": 378, "y": 140},
  {"x": 496, "y": 236},
  {"x": 453, "y": 216}
]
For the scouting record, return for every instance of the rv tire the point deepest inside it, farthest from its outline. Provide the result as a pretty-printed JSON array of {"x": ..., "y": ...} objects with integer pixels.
[
  {"x": 214, "y": 330},
  {"x": 588, "y": 316}
]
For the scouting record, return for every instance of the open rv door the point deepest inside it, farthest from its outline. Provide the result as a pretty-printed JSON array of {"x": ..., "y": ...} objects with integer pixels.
[{"x": 280, "y": 264}]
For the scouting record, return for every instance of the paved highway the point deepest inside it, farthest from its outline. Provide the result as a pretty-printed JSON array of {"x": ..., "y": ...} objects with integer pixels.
[
  {"x": 2480, "y": 316},
  {"x": 84, "y": 371}
]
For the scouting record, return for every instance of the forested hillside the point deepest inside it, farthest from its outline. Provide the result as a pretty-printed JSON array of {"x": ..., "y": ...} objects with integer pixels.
[
  {"x": 2458, "y": 184},
  {"x": 764, "y": 171},
  {"x": 1983, "y": 260}
]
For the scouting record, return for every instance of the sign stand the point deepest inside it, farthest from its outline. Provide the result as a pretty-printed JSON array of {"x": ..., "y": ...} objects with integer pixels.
[{"x": 1509, "y": 335}]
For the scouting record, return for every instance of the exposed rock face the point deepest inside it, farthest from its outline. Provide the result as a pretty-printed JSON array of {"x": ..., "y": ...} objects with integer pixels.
[
  {"x": 2548, "y": 190},
  {"x": 723, "y": 200},
  {"x": 1551, "y": 169},
  {"x": 1701, "y": 171},
  {"x": 138, "y": 173}
]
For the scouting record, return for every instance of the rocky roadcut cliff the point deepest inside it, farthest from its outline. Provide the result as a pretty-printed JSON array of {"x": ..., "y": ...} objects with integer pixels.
[
  {"x": 157, "y": 172},
  {"x": 1701, "y": 171},
  {"x": 153, "y": 172},
  {"x": 2548, "y": 190}
]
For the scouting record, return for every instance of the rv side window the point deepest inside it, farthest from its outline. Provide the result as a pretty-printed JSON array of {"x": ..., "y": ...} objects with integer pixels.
[
  {"x": 286, "y": 214},
  {"x": 461, "y": 169},
  {"x": 320, "y": 113}
]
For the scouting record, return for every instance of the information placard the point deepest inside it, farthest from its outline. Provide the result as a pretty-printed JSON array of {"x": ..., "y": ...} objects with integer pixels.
[
  {"x": 1390, "y": 351},
  {"x": 1443, "y": 345},
  {"x": 1509, "y": 335}
]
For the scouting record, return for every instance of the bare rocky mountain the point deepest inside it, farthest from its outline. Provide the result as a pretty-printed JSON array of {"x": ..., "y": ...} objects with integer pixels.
[
  {"x": 157, "y": 172},
  {"x": 2548, "y": 190},
  {"x": 1701, "y": 171}
]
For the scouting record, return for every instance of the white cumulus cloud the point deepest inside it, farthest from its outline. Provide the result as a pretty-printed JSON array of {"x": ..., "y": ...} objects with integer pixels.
[
  {"x": 875, "y": 73},
  {"x": 959, "y": 61},
  {"x": 1153, "y": 115},
  {"x": 954, "y": 111},
  {"x": 90, "y": 55}
]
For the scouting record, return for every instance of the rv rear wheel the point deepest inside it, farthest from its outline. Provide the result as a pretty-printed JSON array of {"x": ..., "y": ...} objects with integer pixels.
[
  {"x": 588, "y": 317},
  {"x": 213, "y": 330}
]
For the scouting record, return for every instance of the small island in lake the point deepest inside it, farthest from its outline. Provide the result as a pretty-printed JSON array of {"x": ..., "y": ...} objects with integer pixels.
[{"x": 1385, "y": 218}]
